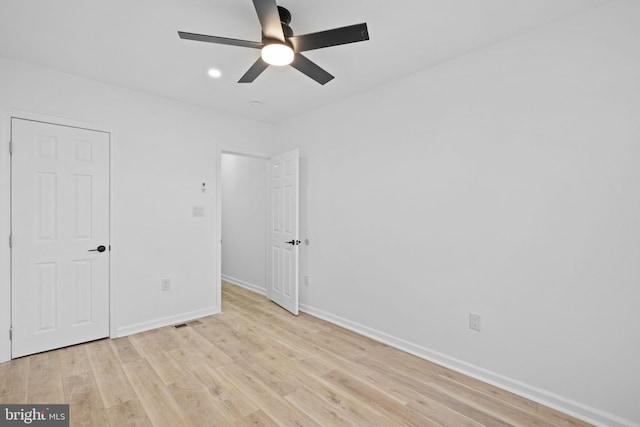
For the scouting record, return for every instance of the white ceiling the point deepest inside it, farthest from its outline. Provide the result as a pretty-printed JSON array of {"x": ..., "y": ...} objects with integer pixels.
[{"x": 134, "y": 44}]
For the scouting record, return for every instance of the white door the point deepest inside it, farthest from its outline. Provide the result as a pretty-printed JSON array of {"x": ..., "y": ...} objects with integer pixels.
[
  {"x": 60, "y": 236},
  {"x": 282, "y": 265}
]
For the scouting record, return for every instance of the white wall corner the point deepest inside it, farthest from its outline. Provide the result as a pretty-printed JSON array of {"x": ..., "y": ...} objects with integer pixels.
[{"x": 166, "y": 321}]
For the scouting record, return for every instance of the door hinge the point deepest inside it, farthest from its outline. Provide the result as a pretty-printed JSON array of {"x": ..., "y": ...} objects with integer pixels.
[
  {"x": 10, "y": 334},
  {"x": 11, "y": 240},
  {"x": 10, "y": 147}
]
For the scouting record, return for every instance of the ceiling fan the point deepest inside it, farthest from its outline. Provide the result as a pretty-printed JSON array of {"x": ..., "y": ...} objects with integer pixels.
[{"x": 280, "y": 47}]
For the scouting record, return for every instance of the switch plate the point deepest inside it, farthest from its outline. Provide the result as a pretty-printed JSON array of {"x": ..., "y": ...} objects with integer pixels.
[
  {"x": 475, "y": 322},
  {"x": 166, "y": 284},
  {"x": 198, "y": 211}
]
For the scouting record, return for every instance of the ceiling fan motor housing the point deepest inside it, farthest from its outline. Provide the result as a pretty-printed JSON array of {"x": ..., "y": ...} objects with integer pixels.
[
  {"x": 285, "y": 15},
  {"x": 285, "y": 20}
]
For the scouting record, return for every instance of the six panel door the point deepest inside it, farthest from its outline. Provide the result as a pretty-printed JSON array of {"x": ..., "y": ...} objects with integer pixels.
[
  {"x": 60, "y": 218},
  {"x": 283, "y": 234}
]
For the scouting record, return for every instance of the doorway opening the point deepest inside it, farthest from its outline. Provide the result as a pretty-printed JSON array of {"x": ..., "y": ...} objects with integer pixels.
[
  {"x": 259, "y": 224},
  {"x": 244, "y": 220}
]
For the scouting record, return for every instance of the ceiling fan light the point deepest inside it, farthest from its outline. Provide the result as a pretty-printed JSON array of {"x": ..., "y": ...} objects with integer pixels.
[{"x": 277, "y": 54}]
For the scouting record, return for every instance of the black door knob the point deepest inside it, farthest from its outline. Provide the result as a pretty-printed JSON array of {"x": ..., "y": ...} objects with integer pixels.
[
  {"x": 100, "y": 248},
  {"x": 293, "y": 242}
]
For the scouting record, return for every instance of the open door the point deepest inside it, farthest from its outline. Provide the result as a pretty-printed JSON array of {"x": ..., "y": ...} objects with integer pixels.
[{"x": 283, "y": 239}]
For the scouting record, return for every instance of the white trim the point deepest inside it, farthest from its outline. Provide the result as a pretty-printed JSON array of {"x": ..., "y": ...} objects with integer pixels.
[
  {"x": 166, "y": 321},
  {"x": 248, "y": 286},
  {"x": 255, "y": 155},
  {"x": 565, "y": 405},
  {"x": 55, "y": 120},
  {"x": 113, "y": 241},
  {"x": 5, "y": 225},
  {"x": 5, "y": 231},
  {"x": 267, "y": 227},
  {"x": 218, "y": 236},
  {"x": 268, "y": 230}
]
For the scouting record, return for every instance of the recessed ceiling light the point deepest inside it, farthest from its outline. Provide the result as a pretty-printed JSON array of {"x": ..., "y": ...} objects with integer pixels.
[
  {"x": 256, "y": 103},
  {"x": 214, "y": 73}
]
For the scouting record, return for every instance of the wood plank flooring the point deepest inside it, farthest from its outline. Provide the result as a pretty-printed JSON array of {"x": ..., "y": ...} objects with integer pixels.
[{"x": 255, "y": 364}]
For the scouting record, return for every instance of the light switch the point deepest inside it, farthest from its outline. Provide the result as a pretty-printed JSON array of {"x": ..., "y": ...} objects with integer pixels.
[{"x": 198, "y": 211}]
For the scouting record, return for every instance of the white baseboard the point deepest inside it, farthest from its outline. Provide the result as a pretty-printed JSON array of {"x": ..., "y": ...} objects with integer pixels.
[
  {"x": 249, "y": 286},
  {"x": 567, "y": 406},
  {"x": 165, "y": 321}
]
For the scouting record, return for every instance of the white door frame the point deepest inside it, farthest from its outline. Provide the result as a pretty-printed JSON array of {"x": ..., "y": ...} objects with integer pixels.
[{"x": 5, "y": 219}]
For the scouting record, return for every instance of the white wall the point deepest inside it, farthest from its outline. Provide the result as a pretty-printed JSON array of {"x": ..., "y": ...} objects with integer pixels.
[
  {"x": 505, "y": 183},
  {"x": 244, "y": 208},
  {"x": 165, "y": 150}
]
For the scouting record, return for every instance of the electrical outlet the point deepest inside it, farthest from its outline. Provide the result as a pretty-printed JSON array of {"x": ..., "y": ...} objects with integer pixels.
[
  {"x": 166, "y": 284},
  {"x": 475, "y": 322}
]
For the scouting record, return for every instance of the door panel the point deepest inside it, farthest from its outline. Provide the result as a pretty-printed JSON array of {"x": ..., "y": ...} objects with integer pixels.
[
  {"x": 46, "y": 206},
  {"x": 283, "y": 262},
  {"x": 46, "y": 290},
  {"x": 59, "y": 212}
]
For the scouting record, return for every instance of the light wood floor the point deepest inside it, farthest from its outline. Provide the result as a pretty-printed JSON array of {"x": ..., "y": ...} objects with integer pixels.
[{"x": 255, "y": 364}]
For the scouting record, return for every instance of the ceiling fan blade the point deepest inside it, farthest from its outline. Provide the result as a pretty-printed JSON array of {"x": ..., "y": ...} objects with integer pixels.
[
  {"x": 219, "y": 40},
  {"x": 256, "y": 69},
  {"x": 335, "y": 37},
  {"x": 311, "y": 69},
  {"x": 269, "y": 17}
]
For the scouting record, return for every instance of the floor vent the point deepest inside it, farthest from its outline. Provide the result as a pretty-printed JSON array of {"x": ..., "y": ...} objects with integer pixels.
[
  {"x": 181, "y": 325},
  {"x": 194, "y": 322}
]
